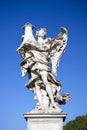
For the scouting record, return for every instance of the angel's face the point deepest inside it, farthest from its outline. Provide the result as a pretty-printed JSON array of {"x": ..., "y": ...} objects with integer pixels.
[{"x": 41, "y": 32}]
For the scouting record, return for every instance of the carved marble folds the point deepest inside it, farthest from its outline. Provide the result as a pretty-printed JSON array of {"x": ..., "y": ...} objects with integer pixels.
[{"x": 41, "y": 58}]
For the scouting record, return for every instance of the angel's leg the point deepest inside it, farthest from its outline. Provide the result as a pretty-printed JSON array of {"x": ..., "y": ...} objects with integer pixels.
[
  {"x": 39, "y": 95},
  {"x": 47, "y": 86}
]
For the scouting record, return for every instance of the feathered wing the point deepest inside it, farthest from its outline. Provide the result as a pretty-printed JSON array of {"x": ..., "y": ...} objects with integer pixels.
[{"x": 57, "y": 49}]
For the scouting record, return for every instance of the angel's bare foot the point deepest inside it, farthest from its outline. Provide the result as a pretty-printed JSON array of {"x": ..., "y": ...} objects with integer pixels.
[{"x": 54, "y": 105}]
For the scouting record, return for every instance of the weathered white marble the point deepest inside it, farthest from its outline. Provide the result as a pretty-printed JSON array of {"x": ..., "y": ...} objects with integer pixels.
[
  {"x": 45, "y": 121},
  {"x": 41, "y": 57}
]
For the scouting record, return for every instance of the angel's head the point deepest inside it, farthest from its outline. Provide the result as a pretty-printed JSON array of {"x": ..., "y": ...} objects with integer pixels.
[{"x": 41, "y": 32}]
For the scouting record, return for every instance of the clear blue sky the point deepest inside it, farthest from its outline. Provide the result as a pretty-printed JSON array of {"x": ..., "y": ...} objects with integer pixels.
[{"x": 15, "y": 99}]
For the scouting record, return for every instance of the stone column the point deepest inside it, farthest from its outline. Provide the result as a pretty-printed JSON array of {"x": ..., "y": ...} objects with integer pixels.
[{"x": 45, "y": 121}]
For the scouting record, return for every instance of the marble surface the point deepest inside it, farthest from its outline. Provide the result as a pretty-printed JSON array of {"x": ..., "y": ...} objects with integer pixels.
[{"x": 45, "y": 121}]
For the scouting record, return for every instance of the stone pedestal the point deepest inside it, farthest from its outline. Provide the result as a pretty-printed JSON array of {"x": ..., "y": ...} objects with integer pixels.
[{"x": 45, "y": 121}]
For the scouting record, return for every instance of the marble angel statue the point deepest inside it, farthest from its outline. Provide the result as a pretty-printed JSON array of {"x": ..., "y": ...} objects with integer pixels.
[{"x": 41, "y": 58}]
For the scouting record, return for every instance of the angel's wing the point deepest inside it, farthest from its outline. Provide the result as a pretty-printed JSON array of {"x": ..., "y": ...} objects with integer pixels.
[{"x": 58, "y": 48}]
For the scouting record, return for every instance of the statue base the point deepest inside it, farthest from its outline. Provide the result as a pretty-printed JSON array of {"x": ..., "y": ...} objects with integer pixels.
[{"x": 53, "y": 121}]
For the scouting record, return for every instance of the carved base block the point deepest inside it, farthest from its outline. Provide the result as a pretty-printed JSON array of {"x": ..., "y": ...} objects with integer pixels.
[{"x": 45, "y": 121}]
